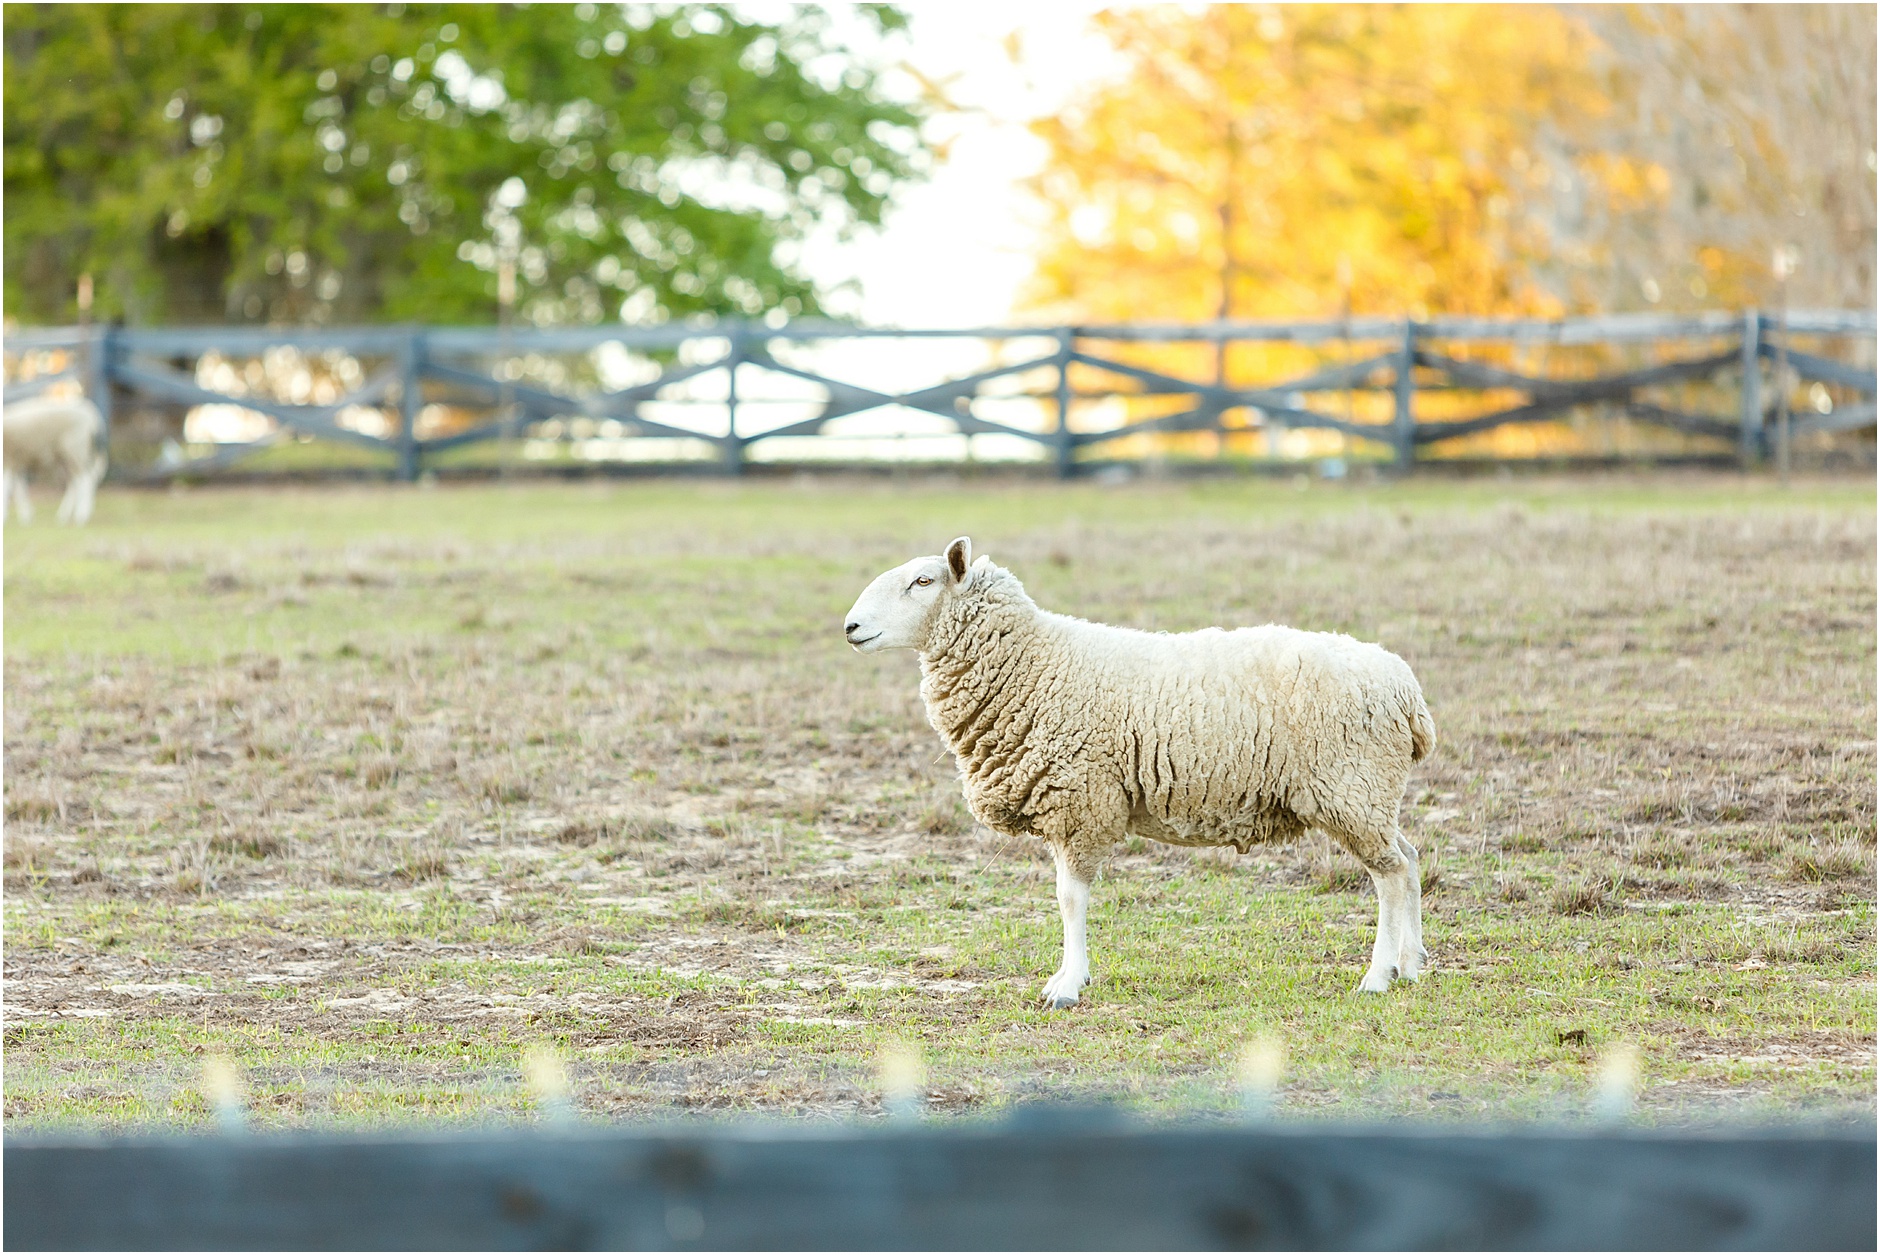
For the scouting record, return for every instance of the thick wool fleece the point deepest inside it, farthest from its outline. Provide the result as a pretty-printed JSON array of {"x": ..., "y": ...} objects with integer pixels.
[
  {"x": 1077, "y": 732},
  {"x": 57, "y": 434}
]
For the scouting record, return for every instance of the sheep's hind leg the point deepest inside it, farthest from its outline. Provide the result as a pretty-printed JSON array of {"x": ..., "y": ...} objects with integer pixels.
[
  {"x": 1073, "y": 895},
  {"x": 1394, "y": 877},
  {"x": 84, "y": 491},
  {"x": 1410, "y": 948},
  {"x": 92, "y": 480},
  {"x": 1385, "y": 949}
]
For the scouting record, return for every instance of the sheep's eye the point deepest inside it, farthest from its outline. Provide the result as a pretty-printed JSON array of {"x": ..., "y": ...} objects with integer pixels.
[{"x": 923, "y": 580}]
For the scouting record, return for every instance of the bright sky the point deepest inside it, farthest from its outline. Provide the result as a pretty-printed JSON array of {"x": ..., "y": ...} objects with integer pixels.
[{"x": 956, "y": 249}]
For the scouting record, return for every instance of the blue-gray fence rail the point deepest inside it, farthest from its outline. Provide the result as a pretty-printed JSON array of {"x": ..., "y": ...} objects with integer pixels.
[
  {"x": 990, "y": 1188},
  {"x": 1421, "y": 357}
]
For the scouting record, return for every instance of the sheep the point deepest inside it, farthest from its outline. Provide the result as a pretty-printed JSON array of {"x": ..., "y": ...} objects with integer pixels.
[
  {"x": 52, "y": 432},
  {"x": 1078, "y": 733}
]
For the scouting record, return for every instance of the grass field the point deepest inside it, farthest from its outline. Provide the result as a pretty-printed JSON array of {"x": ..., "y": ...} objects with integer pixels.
[{"x": 374, "y": 790}]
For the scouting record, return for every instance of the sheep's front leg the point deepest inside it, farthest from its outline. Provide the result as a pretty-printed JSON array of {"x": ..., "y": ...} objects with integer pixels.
[
  {"x": 21, "y": 499},
  {"x": 1073, "y": 895}
]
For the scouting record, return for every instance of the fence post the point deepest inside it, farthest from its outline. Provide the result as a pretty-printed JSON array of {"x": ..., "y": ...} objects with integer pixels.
[
  {"x": 408, "y": 405},
  {"x": 98, "y": 353},
  {"x": 1781, "y": 383},
  {"x": 506, "y": 410},
  {"x": 1750, "y": 438},
  {"x": 1403, "y": 429},
  {"x": 1066, "y": 443},
  {"x": 734, "y": 444}
]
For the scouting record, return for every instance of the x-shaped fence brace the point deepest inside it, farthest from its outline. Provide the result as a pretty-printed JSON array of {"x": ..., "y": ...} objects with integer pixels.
[{"x": 457, "y": 360}]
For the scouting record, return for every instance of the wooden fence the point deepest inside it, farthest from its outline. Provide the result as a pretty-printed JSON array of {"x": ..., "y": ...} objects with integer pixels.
[
  {"x": 1433, "y": 382},
  {"x": 1035, "y": 1183}
]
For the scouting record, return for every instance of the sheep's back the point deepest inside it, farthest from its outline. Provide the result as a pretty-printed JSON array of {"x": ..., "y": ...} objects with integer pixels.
[
  {"x": 42, "y": 428},
  {"x": 1237, "y": 737}
]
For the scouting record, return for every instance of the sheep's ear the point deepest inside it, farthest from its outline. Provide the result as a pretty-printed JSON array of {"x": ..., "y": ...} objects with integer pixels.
[{"x": 959, "y": 557}]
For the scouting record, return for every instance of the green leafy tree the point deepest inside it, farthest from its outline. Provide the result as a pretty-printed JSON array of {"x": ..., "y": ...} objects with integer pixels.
[{"x": 330, "y": 163}]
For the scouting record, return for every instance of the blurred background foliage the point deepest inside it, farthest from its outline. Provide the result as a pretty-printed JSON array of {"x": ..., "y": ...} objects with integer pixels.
[
  {"x": 309, "y": 163},
  {"x": 339, "y": 163},
  {"x": 1286, "y": 161}
]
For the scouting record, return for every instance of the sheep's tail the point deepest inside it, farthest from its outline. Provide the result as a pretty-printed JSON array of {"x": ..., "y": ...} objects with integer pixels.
[{"x": 1422, "y": 730}]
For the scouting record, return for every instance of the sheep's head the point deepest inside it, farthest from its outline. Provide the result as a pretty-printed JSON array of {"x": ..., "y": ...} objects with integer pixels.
[{"x": 897, "y": 609}]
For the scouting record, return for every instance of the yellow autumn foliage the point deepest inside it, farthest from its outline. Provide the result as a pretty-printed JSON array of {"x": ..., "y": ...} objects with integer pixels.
[
  {"x": 1264, "y": 161},
  {"x": 1289, "y": 162}
]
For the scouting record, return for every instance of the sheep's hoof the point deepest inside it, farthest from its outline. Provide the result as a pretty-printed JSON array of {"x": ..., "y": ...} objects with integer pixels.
[
  {"x": 1060, "y": 992},
  {"x": 1376, "y": 981}
]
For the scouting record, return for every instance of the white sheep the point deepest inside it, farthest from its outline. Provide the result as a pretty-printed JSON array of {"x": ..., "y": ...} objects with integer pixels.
[
  {"x": 1077, "y": 733},
  {"x": 53, "y": 433}
]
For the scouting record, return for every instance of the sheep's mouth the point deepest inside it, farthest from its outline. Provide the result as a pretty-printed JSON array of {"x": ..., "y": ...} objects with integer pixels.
[{"x": 858, "y": 644}]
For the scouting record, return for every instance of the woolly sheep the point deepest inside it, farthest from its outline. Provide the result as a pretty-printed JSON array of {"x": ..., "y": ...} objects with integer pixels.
[
  {"x": 1077, "y": 733},
  {"x": 52, "y": 433}
]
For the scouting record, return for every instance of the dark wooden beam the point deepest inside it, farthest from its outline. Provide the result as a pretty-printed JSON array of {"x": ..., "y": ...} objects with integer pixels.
[{"x": 1034, "y": 1184}]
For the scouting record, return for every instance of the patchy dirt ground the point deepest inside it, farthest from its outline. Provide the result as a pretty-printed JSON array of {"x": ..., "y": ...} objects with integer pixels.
[{"x": 373, "y": 791}]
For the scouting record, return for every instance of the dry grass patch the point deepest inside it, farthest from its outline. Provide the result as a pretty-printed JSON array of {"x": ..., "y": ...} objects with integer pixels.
[
  {"x": 1581, "y": 896},
  {"x": 250, "y": 843},
  {"x": 424, "y": 865},
  {"x": 1833, "y": 862},
  {"x": 375, "y": 840}
]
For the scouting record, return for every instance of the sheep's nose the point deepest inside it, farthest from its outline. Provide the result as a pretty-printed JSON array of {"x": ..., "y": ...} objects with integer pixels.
[{"x": 848, "y": 629}]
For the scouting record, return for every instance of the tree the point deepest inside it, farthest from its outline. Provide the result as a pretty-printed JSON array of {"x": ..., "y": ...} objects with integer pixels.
[
  {"x": 1277, "y": 161},
  {"x": 310, "y": 163},
  {"x": 1294, "y": 160},
  {"x": 1300, "y": 161},
  {"x": 1738, "y": 130}
]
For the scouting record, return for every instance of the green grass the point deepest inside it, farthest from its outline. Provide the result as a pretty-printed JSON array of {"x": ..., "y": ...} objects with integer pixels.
[{"x": 372, "y": 789}]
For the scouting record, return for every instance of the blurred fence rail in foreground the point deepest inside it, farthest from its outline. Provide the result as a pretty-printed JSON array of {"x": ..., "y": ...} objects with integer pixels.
[
  {"x": 1716, "y": 385},
  {"x": 1037, "y": 1183},
  {"x": 1033, "y": 1184}
]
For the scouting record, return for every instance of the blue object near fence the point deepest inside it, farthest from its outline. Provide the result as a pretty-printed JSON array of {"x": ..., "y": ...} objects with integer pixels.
[{"x": 1030, "y": 1184}]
